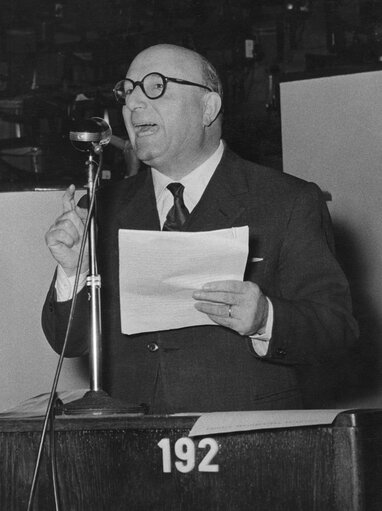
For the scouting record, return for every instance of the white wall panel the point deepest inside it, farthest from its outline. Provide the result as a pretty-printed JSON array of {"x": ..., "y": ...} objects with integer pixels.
[
  {"x": 27, "y": 363},
  {"x": 332, "y": 135}
]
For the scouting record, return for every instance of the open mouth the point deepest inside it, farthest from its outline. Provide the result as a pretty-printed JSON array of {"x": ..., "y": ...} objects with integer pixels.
[{"x": 145, "y": 129}]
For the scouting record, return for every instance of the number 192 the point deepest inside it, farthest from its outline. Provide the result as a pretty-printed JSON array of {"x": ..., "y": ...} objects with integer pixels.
[{"x": 185, "y": 453}]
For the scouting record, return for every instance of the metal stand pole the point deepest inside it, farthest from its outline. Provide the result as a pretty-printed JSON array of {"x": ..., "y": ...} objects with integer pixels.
[
  {"x": 96, "y": 401},
  {"x": 94, "y": 284}
]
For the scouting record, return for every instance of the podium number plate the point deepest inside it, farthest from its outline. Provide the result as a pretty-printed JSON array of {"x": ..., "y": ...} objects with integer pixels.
[{"x": 185, "y": 455}]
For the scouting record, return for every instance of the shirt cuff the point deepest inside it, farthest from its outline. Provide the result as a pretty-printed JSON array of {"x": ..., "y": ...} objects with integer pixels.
[
  {"x": 260, "y": 340},
  {"x": 64, "y": 285}
]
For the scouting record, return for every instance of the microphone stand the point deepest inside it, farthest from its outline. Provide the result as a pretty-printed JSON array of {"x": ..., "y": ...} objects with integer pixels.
[{"x": 96, "y": 401}]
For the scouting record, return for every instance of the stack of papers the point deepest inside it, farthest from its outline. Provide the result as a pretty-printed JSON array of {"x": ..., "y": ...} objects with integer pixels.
[
  {"x": 232, "y": 422},
  {"x": 159, "y": 271}
]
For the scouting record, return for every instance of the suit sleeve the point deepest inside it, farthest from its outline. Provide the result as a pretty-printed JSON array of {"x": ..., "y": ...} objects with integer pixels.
[
  {"x": 55, "y": 317},
  {"x": 313, "y": 320}
]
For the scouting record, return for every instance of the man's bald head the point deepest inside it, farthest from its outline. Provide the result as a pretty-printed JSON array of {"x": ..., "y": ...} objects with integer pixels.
[
  {"x": 193, "y": 62},
  {"x": 178, "y": 130}
]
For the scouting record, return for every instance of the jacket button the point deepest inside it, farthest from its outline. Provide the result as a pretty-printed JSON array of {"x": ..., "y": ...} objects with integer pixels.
[
  {"x": 152, "y": 346},
  {"x": 281, "y": 353}
]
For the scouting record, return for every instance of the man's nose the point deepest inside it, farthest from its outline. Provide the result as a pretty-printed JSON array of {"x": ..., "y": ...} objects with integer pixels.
[{"x": 137, "y": 98}]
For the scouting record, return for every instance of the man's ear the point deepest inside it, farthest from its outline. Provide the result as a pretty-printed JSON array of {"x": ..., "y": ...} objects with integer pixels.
[{"x": 212, "y": 106}]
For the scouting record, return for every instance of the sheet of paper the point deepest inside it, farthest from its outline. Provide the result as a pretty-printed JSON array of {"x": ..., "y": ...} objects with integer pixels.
[
  {"x": 229, "y": 422},
  {"x": 159, "y": 271}
]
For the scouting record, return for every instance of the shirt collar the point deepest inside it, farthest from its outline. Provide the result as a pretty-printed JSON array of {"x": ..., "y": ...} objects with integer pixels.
[{"x": 195, "y": 182}]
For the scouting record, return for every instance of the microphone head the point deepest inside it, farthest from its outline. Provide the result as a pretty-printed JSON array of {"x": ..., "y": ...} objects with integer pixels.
[{"x": 90, "y": 132}]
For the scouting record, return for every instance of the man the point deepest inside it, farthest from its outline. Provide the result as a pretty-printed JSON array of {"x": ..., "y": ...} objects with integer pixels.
[{"x": 293, "y": 308}]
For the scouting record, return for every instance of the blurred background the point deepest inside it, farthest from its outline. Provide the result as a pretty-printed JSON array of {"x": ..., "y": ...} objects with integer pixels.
[{"x": 60, "y": 60}]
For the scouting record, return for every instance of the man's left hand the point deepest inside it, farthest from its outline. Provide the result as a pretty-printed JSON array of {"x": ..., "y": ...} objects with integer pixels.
[{"x": 238, "y": 305}]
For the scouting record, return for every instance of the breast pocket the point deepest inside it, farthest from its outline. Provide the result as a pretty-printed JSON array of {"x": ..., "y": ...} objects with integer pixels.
[{"x": 256, "y": 261}]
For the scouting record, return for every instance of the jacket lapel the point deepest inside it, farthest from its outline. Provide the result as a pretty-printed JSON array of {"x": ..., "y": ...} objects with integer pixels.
[
  {"x": 137, "y": 208},
  {"x": 223, "y": 203}
]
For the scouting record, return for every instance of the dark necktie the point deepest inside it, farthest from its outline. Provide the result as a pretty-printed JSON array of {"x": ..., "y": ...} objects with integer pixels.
[{"x": 178, "y": 214}]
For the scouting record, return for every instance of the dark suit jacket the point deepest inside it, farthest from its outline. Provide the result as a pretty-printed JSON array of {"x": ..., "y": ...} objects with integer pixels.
[{"x": 211, "y": 368}]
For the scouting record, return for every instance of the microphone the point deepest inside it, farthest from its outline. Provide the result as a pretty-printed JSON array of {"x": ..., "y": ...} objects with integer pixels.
[{"x": 90, "y": 133}]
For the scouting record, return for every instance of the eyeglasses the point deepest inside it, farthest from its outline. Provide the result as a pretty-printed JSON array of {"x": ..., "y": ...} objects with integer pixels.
[{"x": 153, "y": 85}]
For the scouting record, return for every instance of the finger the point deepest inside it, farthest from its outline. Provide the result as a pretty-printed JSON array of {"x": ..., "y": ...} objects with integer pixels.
[
  {"x": 219, "y": 310},
  {"x": 217, "y": 296},
  {"x": 70, "y": 228},
  {"x": 59, "y": 237},
  {"x": 82, "y": 213},
  {"x": 232, "y": 286},
  {"x": 68, "y": 199},
  {"x": 222, "y": 321},
  {"x": 73, "y": 218}
]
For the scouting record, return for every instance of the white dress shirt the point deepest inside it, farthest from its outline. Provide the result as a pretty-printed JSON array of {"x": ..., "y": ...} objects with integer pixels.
[{"x": 194, "y": 185}]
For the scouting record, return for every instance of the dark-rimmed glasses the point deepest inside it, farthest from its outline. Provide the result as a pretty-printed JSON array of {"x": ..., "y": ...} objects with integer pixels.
[{"x": 153, "y": 86}]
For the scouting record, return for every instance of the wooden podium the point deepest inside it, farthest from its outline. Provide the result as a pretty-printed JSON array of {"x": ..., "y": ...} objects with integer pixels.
[{"x": 150, "y": 463}]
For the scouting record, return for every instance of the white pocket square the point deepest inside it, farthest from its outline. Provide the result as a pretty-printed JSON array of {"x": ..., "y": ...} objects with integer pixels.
[{"x": 256, "y": 259}]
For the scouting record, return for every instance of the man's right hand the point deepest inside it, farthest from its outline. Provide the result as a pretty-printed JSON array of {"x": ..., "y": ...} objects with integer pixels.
[{"x": 64, "y": 236}]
